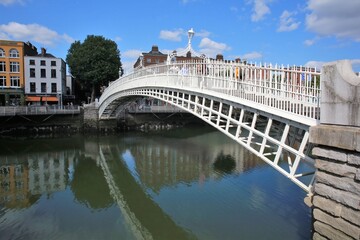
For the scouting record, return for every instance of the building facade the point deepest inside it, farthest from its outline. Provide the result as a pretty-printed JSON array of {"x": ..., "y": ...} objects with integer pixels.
[
  {"x": 150, "y": 58},
  {"x": 12, "y": 78},
  {"x": 45, "y": 79}
]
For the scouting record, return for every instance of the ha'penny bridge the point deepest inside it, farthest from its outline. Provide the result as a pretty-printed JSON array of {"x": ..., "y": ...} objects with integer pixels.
[{"x": 286, "y": 115}]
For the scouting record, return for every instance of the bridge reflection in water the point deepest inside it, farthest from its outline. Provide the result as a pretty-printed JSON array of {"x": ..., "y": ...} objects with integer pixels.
[{"x": 166, "y": 187}]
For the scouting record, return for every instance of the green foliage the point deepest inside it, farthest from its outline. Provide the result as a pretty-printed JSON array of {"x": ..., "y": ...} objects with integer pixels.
[{"x": 94, "y": 62}]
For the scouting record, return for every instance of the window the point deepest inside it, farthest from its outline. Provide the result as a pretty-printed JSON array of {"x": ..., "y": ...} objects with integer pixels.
[
  {"x": 14, "y": 53},
  {"x": 32, "y": 87},
  {"x": 43, "y": 87},
  {"x": 32, "y": 62},
  {"x": 15, "y": 81},
  {"x": 14, "y": 67},
  {"x": 53, "y": 63},
  {"x": 53, "y": 73},
  {"x": 2, "y": 81},
  {"x": 2, "y": 52},
  {"x": 2, "y": 66},
  {"x": 53, "y": 88},
  {"x": 42, "y": 63},
  {"x": 43, "y": 73},
  {"x": 148, "y": 60},
  {"x": 32, "y": 72}
]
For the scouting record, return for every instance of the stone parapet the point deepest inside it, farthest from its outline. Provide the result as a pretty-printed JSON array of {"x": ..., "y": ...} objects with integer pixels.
[
  {"x": 340, "y": 94},
  {"x": 336, "y": 192}
]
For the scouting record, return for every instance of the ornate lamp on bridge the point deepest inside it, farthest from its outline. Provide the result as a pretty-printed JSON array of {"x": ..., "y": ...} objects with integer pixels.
[{"x": 188, "y": 50}]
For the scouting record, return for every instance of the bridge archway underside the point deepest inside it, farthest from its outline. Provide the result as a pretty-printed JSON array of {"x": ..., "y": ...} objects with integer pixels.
[{"x": 279, "y": 141}]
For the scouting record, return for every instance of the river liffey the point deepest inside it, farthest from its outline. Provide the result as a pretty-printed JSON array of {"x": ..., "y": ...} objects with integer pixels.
[{"x": 188, "y": 183}]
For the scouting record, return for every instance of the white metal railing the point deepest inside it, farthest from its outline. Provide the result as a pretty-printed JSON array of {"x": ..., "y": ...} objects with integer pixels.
[
  {"x": 38, "y": 110},
  {"x": 291, "y": 89}
]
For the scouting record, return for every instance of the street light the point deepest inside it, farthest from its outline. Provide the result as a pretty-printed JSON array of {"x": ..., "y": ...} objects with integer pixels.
[{"x": 191, "y": 34}]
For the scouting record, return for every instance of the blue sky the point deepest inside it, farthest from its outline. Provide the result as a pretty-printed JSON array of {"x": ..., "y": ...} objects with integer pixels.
[{"x": 295, "y": 32}]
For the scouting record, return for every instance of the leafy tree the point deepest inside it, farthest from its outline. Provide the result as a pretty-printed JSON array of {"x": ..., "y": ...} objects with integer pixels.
[{"x": 94, "y": 63}]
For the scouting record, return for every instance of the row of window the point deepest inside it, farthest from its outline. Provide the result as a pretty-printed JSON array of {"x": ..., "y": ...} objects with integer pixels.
[
  {"x": 42, "y": 73},
  {"x": 14, "y": 67},
  {"x": 13, "y": 53},
  {"x": 42, "y": 62},
  {"x": 43, "y": 87},
  {"x": 14, "y": 81}
]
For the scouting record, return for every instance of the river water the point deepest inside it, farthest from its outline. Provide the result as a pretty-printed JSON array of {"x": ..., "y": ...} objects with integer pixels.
[{"x": 188, "y": 183}]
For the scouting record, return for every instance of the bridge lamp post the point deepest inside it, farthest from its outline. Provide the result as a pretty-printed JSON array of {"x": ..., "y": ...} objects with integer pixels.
[{"x": 191, "y": 34}]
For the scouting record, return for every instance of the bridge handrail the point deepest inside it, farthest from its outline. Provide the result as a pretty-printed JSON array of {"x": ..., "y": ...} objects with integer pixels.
[
  {"x": 288, "y": 88},
  {"x": 38, "y": 110}
]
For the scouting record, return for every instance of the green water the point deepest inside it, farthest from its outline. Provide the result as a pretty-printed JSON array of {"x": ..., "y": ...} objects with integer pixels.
[{"x": 189, "y": 183}]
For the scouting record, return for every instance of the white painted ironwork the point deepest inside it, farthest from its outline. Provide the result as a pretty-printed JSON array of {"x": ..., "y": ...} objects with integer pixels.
[{"x": 267, "y": 109}]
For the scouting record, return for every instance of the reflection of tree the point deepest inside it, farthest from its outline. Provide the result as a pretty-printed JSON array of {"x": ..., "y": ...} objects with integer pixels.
[
  {"x": 89, "y": 186},
  {"x": 224, "y": 163}
]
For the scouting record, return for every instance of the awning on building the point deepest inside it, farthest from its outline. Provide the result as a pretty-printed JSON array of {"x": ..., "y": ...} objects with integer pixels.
[
  {"x": 33, "y": 99},
  {"x": 43, "y": 99},
  {"x": 50, "y": 99}
]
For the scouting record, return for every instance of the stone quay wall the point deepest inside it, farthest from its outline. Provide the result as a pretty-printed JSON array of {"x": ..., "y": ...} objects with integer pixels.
[{"x": 336, "y": 191}]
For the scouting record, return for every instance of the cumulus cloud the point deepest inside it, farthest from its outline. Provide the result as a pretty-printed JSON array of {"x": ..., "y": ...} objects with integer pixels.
[
  {"x": 32, "y": 32},
  {"x": 309, "y": 42},
  {"x": 133, "y": 53},
  {"x": 251, "y": 56},
  {"x": 202, "y": 33},
  {"x": 211, "y": 48},
  {"x": 315, "y": 64},
  {"x": 172, "y": 35},
  {"x": 260, "y": 9},
  {"x": 287, "y": 22},
  {"x": 318, "y": 64},
  {"x": 9, "y": 2},
  {"x": 334, "y": 18}
]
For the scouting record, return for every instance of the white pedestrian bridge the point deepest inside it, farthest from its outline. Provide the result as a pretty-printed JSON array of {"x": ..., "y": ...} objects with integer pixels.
[{"x": 267, "y": 109}]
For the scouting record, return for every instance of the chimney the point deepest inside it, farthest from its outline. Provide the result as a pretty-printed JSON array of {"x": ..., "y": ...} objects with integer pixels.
[
  {"x": 155, "y": 48},
  {"x": 43, "y": 51},
  {"x": 219, "y": 57}
]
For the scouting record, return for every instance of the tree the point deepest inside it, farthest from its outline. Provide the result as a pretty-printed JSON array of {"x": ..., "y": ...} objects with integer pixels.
[{"x": 94, "y": 63}]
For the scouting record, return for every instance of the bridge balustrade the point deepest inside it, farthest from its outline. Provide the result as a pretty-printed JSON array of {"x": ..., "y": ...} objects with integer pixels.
[{"x": 295, "y": 90}]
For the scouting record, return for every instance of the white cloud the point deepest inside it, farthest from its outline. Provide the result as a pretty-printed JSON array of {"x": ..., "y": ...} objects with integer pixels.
[
  {"x": 32, "y": 32},
  {"x": 309, "y": 42},
  {"x": 202, "y": 33},
  {"x": 9, "y": 2},
  {"x": 117, "y": 39},
  {"x": 128, "y": 66},
  {"x": 251, "y": 56},
  {"x": 287, "y": 22},
  {"x": 318, "y": 64},
  {"x": 212, "y": 48},
  {"x": 315, "y": 64},
  {"x": 133, "y": 53},
  {"x": 172, "y": 35},
  {"x": 260, "y": 9},
  {"x": 334, "y": 18}
]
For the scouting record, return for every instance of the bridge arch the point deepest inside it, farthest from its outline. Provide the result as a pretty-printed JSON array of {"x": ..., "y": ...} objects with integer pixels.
[{"x": 266, "y": 109}]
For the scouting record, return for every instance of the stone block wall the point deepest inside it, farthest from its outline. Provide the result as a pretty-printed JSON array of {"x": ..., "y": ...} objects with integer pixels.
[{"x": 336, "y": 192}]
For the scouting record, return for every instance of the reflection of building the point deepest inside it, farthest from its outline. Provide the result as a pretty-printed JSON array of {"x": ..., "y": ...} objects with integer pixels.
[
  {"x": 163, "y": 164},
  {"x": 47, "y": 173},
  {"x": 159, "y": 166},
  {"x": 14, "y": 185},
  {"x": 45, "y": 78},
  {"x": 12, "y": 79}
]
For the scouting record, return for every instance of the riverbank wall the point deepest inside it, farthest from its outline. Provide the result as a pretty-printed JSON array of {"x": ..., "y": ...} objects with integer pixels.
[{"x": 88, "y": 122}]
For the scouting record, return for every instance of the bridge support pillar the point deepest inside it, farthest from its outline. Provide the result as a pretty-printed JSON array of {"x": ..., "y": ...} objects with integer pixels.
[{"x": 336, "y": 191}]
